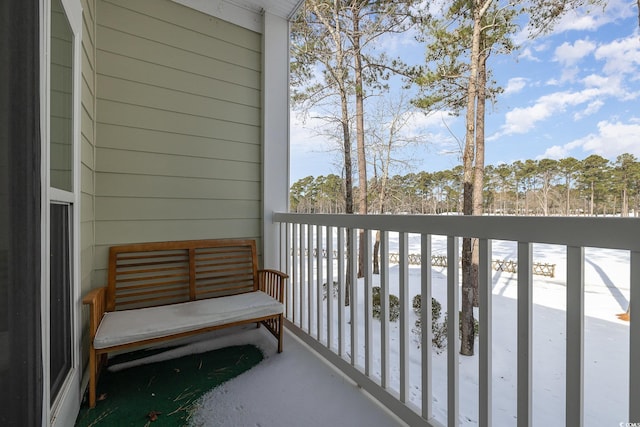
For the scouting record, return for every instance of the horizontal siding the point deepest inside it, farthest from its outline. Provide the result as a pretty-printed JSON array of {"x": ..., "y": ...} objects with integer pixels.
[
  {"x": 144, "y": 26},
  {"x": 212, "y": 28},
  {"x": 114, "y": 185},
  {"x": 87, "y": 166},
  {"x": 87, "y": 144},
  {"x": 160, "y": 98},
  {"x": 87, "y": 156},
  {"x": 117, "y": 232},
  {"x": 153, "y": 141},
  {"x": 146, "y": 209},
  {"x": 124, "y": 44},
  {"x": 135, "y": 162},
  {"x": 136, "y": 116},
  {"x": 178, "y": 126},
  {"x": 181, "y": 80}
]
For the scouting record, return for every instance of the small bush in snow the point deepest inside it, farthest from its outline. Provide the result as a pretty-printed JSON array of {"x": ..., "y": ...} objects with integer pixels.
[
  {"x": 334, "y": 294},
  {"x": 438, "y": 328},
  {"x": 394, "y": 305}
]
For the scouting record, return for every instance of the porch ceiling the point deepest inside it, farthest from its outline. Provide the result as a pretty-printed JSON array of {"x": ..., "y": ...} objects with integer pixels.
[{"x": 282, "y": 8}]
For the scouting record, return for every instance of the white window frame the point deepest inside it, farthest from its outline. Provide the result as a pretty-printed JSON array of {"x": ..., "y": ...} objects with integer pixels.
[{"x": 63, "y": 411}]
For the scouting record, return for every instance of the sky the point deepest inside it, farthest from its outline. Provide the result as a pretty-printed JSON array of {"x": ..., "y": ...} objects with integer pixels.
[{"x": 574, "y": 92}]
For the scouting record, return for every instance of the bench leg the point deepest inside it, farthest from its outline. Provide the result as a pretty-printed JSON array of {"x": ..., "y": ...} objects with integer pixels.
[
  {"x": 93, "y": 366},
  {"x": 280, "y": 333}
]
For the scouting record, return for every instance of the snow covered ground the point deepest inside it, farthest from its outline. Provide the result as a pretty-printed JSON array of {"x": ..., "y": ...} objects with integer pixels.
[{"x": 606, "y": 357}]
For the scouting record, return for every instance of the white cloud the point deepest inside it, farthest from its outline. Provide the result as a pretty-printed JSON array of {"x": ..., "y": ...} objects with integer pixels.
[
  {"x": 620, "y": 56},
  {"x": 524, "y": 119},
  {"x": 592, "y": 108},
  {"x": 597, "y": 88},
  {"x": 570, "y": 54},
  {"x": 594, "y": 17},
  {"x": 527, "y": 53},
  {"x": 304, "y": 134},
  {"x": 515, "y": 85},
  {"x": 611, "y": 140}
]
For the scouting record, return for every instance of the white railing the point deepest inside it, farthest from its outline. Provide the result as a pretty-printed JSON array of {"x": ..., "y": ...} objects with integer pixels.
[{"x": 345, "y": 337}]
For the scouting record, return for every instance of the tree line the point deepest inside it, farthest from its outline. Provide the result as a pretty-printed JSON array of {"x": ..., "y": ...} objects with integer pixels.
[{"x": 564, "y": 187}]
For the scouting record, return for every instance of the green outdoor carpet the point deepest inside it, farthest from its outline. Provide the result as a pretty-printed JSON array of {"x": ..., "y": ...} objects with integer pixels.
[{"x": 162, "y": 393}]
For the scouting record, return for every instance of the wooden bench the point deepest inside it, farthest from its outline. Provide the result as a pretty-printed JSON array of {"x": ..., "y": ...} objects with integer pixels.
[{"x": 167, "y": 290}]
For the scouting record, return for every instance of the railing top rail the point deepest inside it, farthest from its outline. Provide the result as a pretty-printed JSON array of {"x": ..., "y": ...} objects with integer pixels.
[{"x": 598, "y": 232}]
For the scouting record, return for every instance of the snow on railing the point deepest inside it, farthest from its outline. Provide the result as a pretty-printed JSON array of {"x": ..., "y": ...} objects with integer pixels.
[{"x": 345, "y": 337}]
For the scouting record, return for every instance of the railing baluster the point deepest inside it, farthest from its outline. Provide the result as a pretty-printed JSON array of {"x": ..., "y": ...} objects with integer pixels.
[
  {"x": 575, "y": 337},
  {"x": 368, "y": 304},
  {"x": 304, "y": 311},
  {"x": 295, "y": 277},
  {"x": 310, "y": 277},
  {"x": 485, "y": 398},
  {"x": 453, "y": 274},
  {"x": 341, "y": 291},
  {"x": 353, "y": 296},
  {"x": 525, "y": 302},
  {"x": 329, "y": 286},
  {"x": 319, "y": 261},
  {"x": 403, "y": 244},
  {"x": 634, "y": 339},
  {"x": 425, "y": 324},
  {"x": 384, "y": 319}
]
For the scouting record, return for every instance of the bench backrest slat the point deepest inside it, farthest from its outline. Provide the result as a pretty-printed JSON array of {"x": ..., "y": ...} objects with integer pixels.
[{"x": 159, "y": 273}]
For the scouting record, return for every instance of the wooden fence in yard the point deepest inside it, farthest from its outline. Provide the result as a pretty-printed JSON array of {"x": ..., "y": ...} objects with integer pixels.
[{"x": 508, "y": 266}]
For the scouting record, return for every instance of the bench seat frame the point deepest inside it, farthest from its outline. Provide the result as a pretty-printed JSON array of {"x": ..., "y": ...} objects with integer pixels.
[{"x": 105, "y": 299}]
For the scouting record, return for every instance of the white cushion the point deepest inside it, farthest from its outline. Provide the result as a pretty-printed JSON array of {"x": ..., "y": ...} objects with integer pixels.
[{"x": 129, "y": 326}]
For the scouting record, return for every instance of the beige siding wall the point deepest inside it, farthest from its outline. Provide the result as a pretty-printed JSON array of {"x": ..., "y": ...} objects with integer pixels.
[
  {"x": 87, "y": 162},
  {"x": 178, "y": 153},
  {"x": 87, "y": 144}
]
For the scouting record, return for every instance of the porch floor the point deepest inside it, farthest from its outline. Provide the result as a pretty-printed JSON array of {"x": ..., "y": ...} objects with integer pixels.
[{"x": 293, "y": 388}]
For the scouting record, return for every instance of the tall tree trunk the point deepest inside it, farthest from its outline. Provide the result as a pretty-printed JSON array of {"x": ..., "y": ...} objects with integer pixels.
[
  {"x": 478, "y": 171},
  {"x": 467, "y": 321},
  {"x": 376, "y": 254},
  {"x": 348, "y": 189},
  {"x": 591, "y": 201},
  {"x": 362, "y": 161},
  {"x": 568, "y": 183}
]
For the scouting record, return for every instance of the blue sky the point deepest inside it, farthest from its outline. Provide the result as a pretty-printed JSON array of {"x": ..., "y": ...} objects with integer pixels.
[{"x": 574, "y": 92}]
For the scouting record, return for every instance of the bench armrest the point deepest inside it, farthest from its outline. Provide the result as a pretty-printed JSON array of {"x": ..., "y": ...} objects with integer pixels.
[
  {"x": 271, "y": 282},
  {"x": 97, "y": 301}
]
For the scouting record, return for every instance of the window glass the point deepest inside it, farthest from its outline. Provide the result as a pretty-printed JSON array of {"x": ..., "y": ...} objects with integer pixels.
[{"x": 61, "y": 119}]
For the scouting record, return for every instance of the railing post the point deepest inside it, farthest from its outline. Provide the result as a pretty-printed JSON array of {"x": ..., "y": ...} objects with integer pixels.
[
  {"x": 329, "y": 287},
  {"x": 525, "y": 292},
  {"x": 575, "y": 337},
  {"x": 302, "y": 279},
  {"x": 368, "y": 303},
  {"x": 295, "y": 277},
  {"x": 353, "y": 296},
  {"x": 384, "y": 318},
  {"x": 485, "y": 363},
  {"x": 319, "y": 261},
  {"x": 403, "y": 244},
  {"x": 453, "y": 324},
  {"x": 309, "y": 277},
  {"x": 634, "y": 339},
  {"x": 425, "y": 325},
  {"x": 341, "y": 291}
]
